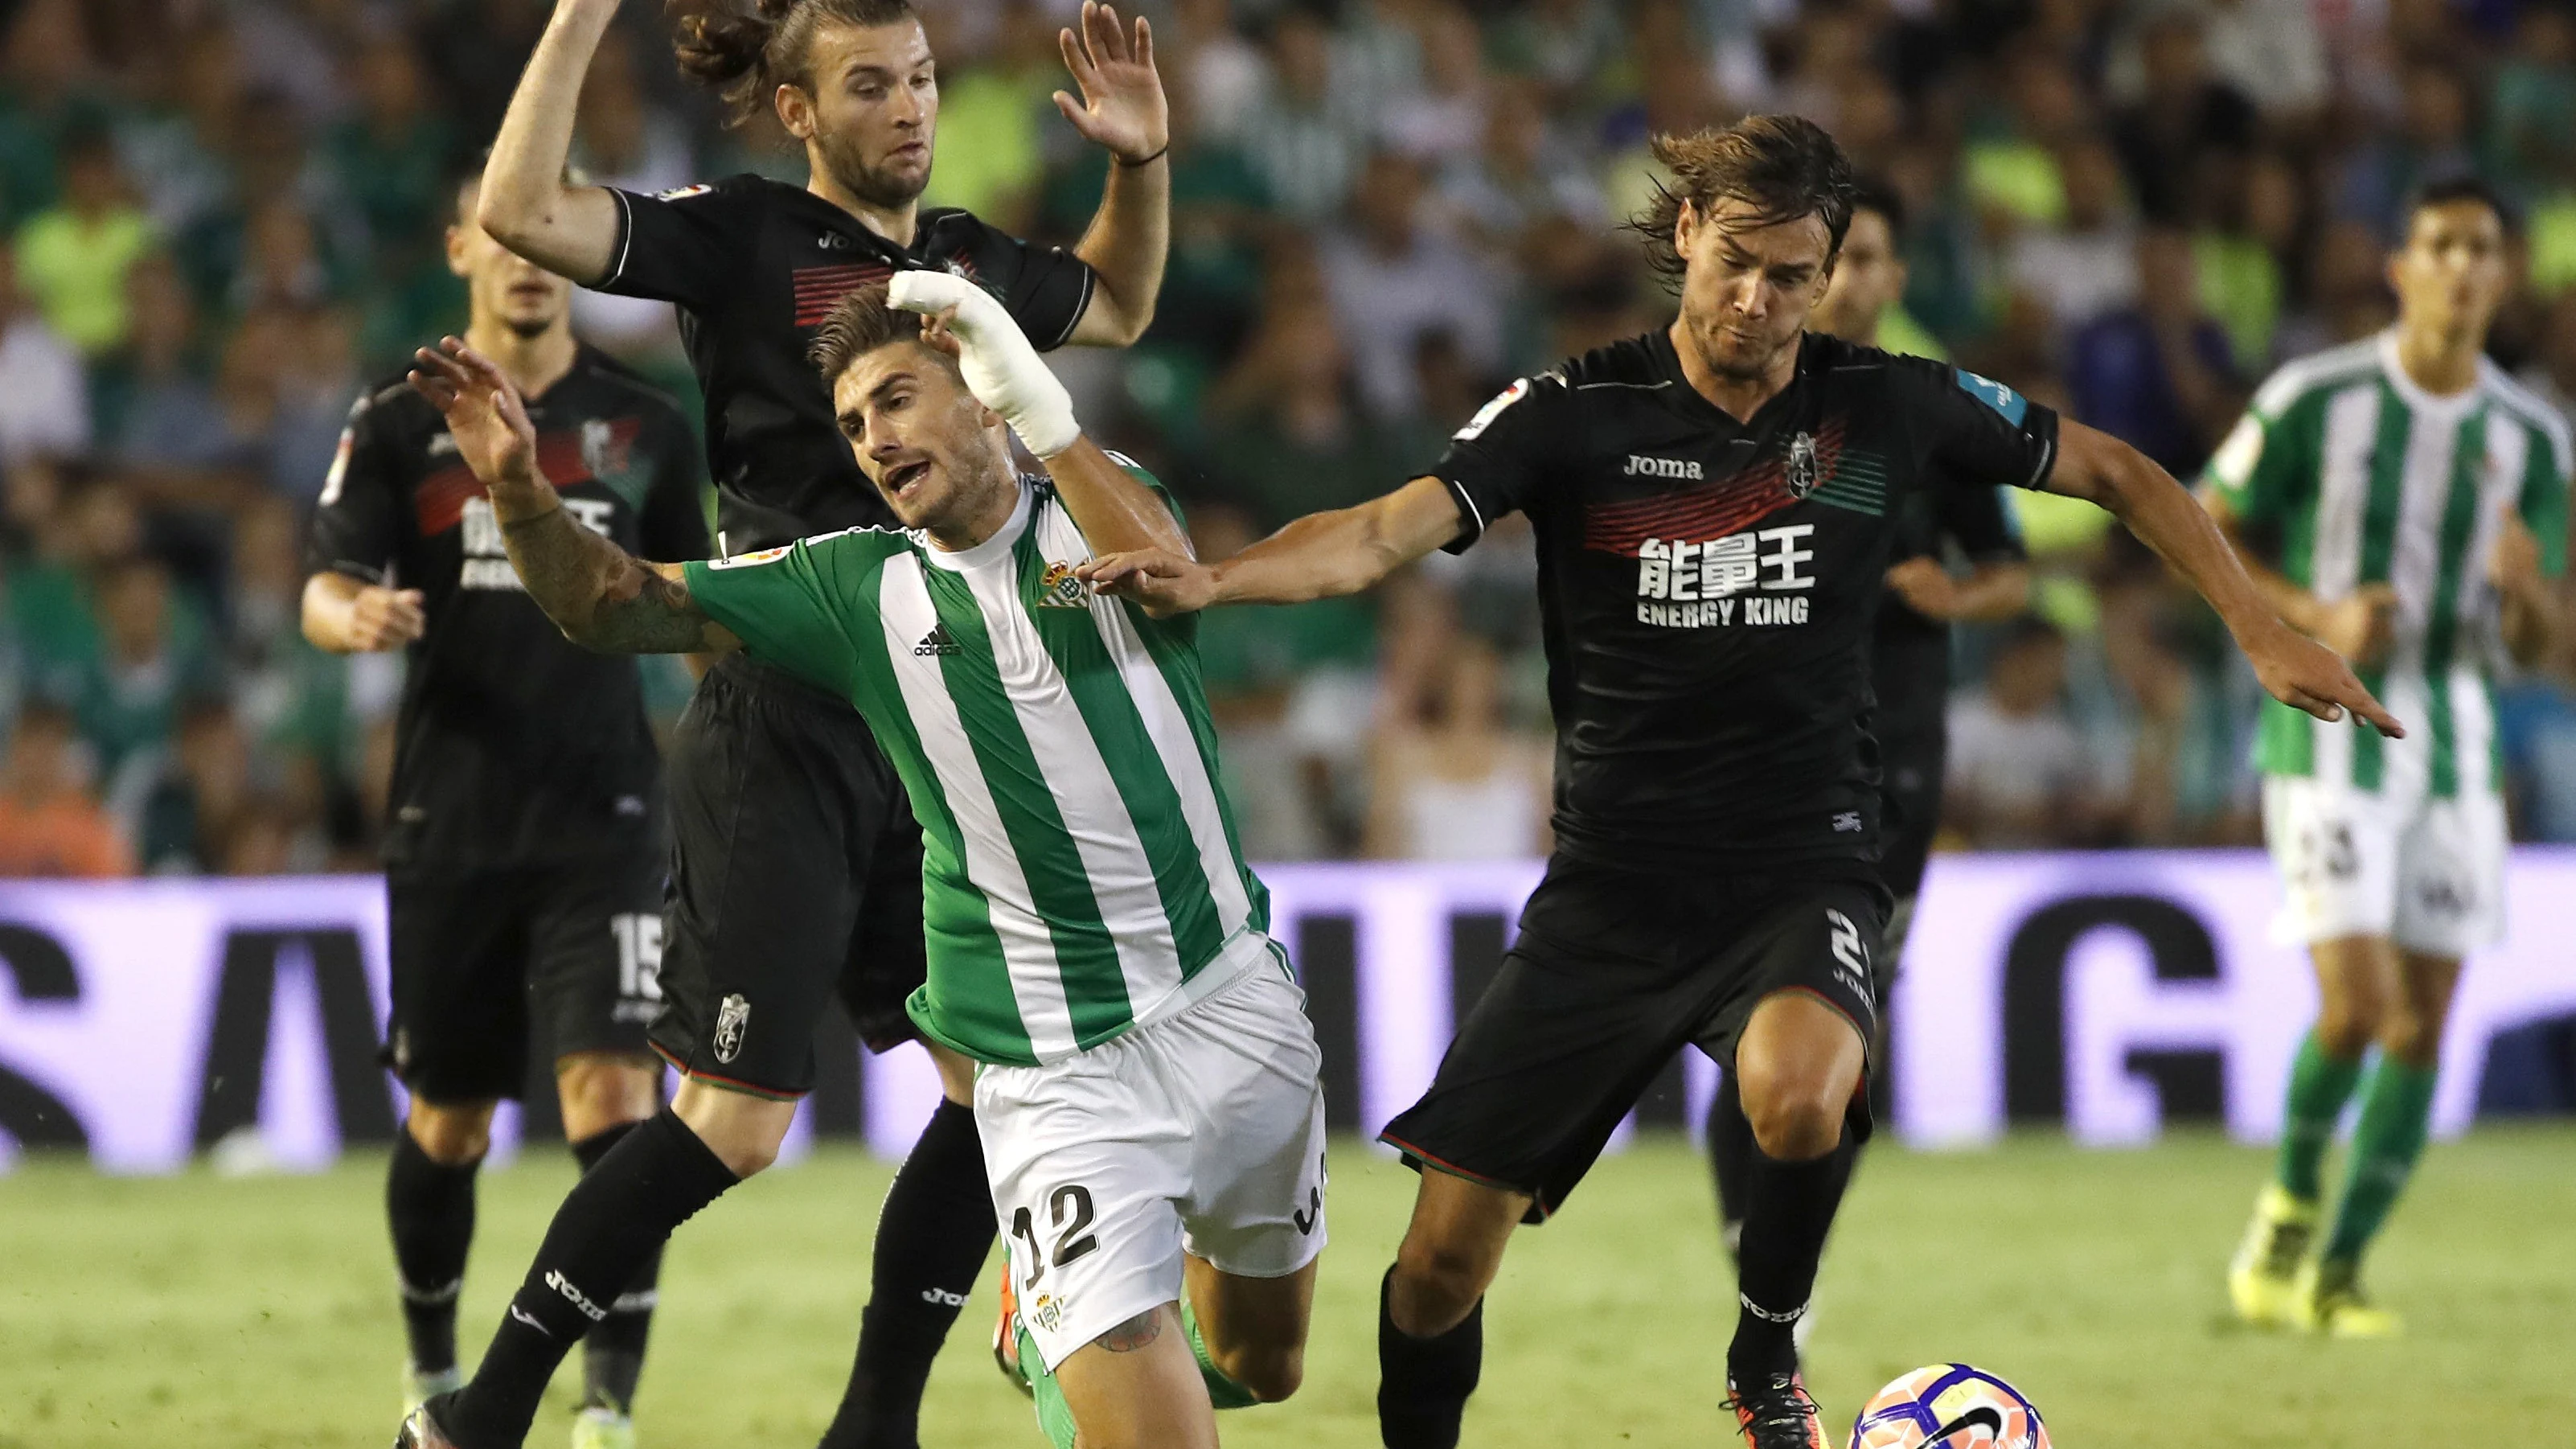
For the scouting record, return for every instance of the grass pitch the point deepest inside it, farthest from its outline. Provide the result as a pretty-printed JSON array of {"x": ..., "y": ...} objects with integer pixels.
[{"x": 227, "y": 1314}]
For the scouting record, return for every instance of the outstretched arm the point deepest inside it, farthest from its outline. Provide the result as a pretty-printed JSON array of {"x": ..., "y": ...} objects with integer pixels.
[
  {"x": 601, "y": 596},
  {"x": 1123, "y": 110},
  {"x": 2297, "y": 670},
  {"x": 1317, "y": 557},
  {"x": 524, "y": 203},
  {"x": 2359, "y": 626}
]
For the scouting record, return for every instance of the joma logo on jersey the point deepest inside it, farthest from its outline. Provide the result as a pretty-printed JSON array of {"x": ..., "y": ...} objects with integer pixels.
[
  {"x": 1686, "y": 584},
  {"x": 1640, "y": 466},
  {"x": 1059, "y": 589}
]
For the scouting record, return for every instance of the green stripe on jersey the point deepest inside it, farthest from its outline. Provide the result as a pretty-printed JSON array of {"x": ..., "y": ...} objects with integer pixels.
[
  {"x": 2441, "y": 624},
  {"x": 2380, "y": 512},
  {"x": 1101, "y": 694},
  {"x": 1095, "y": 989}
]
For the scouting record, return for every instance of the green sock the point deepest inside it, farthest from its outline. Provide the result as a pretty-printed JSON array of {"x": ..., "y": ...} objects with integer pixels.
[
  {"x": 1055, "y": 1416},
  {"x": 1223, "y": 1392},
  {"x": 2396, "y": 1111},
  {"x": 2319, "y": 1086}
]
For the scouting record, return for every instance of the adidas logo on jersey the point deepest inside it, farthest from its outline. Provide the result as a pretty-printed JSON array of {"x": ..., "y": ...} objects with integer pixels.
[{"x": 936, "y": 643}]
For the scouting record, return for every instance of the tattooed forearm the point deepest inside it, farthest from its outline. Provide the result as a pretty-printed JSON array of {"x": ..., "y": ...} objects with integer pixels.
[
  {"x": 602, "y": 597},
  {"x": 1135, "y": 1333}
]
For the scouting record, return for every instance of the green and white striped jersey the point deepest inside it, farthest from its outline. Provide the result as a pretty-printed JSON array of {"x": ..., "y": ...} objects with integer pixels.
[
  {"x": 2367, "y": 478},
  {"x": 1081, "y": 874}
]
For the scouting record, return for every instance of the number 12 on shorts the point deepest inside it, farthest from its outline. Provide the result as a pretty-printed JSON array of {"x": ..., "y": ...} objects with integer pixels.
[{"x": 1070, "y": 1209}]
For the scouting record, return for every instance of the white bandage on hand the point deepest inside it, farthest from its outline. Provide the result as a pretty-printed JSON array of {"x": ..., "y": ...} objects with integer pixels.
[{"x": 1000, "y": 366}]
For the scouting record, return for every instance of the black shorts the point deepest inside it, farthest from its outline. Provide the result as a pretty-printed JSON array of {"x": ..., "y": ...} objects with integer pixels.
[
  {"x": 1613, "y": 972},
  {"x": 796, "y": 874},
  {"x": 476, "y": 951}
]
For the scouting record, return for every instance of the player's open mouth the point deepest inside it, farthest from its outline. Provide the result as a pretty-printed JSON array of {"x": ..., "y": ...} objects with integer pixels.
[{"x": 899, "y": 480}]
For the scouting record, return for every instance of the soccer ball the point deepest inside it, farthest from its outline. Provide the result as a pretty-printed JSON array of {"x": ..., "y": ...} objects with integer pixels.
[{"x": 1949, "y": 1406}]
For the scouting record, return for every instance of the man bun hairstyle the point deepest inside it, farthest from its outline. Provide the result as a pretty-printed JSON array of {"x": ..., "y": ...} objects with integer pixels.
[
  {"x": 1784, "y": 167},
  {"x": 859, "y": 324},
  {"x": 745, "y": 49}
]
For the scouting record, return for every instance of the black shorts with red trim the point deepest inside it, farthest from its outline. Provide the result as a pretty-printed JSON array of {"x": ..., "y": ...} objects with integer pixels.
[
  {"x": 1615, "y": 971},
  {"x": 795, "y": 878}
]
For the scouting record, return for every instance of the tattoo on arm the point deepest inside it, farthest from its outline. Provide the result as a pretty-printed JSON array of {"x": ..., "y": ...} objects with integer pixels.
[
  {"x": 601, "y": 596},
  {"x": 1135, "y": 1333}
]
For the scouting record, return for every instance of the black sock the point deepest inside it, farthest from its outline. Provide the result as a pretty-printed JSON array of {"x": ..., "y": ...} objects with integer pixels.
[
  {"x": 612, "y": 1357},
  {"x": 1730, "y": 1158},
  {"x": 932, "y": 1237},
  {"x": 431, "y": 1208},
  {"x": 610, "y": 1225},
  {"x": 1789, "y": 1208},
  {"x": 1423, "y": 1383}
]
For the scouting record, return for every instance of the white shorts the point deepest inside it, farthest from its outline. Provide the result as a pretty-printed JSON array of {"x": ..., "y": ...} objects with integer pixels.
[
  {"x": 2426, "y": 872},
  {"x": 1202, "y": 1133}
]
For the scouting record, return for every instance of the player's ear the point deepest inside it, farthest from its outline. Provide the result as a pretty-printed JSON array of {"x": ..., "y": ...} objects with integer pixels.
[
  {"x": 456, "y": 261},
  {"x": 1685, "y": 223},
  {"x": 795, "y": 111}
]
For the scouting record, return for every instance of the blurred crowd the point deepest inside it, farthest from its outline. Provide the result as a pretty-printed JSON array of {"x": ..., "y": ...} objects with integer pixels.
[{"x": 223, "y": 218}]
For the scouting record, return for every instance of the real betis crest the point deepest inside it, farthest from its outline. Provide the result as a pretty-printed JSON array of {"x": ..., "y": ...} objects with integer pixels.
[
  {"x": 1059, "y": 589},
  {"x": 1802, "y": 466}
]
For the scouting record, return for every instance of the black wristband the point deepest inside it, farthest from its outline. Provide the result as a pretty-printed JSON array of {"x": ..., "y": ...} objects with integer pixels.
[{"x": 1148, "y": 161}]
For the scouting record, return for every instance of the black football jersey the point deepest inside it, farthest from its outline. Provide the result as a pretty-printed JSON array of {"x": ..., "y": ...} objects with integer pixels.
[
  {"x": 1911, "y": 652},
  {"x": 754, "y": 266},
  {"x": 1709, "y": 587},
  {"x": 513, "y": 743}
]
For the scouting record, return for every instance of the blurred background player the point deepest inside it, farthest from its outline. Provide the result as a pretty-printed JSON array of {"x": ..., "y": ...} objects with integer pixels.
[
  {"x": 1910, "y": 647},
  {"x": 797, "y": 864},
  {"x": 1147, "y": 1087},
  {"x": 1710, "y": 502},
  {"x": 2410, "y": 500},
  {"x": 525, "y": 862}
]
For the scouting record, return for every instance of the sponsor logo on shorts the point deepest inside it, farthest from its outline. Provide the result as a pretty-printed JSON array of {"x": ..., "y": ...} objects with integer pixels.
[
  {"x": 1851, "y": 955},
  {"x": 682, "y": 193},
  {"x": 1047, "y": 1312},
  {"x": 575, "y": 1296},
  {"x": 1313, "y": 1214},
  {"x": 1059, "y": 589},
  {"x": 943, "y": 1297},
  {"x": 733, "y": 1019},
  {"x": 1846, "y": 821}
]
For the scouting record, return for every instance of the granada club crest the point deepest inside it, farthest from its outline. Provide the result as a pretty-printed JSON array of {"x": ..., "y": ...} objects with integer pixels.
[{"x": 1802, "y": 466}]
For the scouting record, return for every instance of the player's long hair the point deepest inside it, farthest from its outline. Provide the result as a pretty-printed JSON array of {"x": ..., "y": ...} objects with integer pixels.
[
  {"x": 745, "y": 49},
  {"x": 1786, "y": 167}
]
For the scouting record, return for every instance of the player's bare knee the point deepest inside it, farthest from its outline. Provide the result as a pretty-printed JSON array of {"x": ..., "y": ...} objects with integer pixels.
[
  {"x": 1268, "y": 1372},
  {"x": 2348, "y": 1021},
  {"x": 1439, "y": 1281},
  {"x": 2411, "y": 1037},
  {"x": 1798, "y": 1124},
  {"x": 452, "y": 1134}
]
